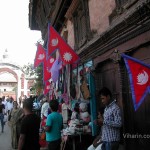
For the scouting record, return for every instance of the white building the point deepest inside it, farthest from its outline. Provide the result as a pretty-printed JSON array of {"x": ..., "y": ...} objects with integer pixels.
[{"x": 13, "y": 81}]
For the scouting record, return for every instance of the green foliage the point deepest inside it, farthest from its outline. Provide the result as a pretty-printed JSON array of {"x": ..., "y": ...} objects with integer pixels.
[
  {"x": 28, "y": 70},
  {"x": 39, "y": 78},
  {"x": 36, "y": 73}
]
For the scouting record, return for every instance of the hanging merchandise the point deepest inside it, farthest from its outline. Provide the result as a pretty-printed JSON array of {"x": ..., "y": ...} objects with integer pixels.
[
  {"x": 77, "y": 86},
  {"x": 68, "y": 81},
  {"x": 65, "y": 113},
  {"x": 72, "y": 83},
  {"x": 51, "y": 91},
  {"x": 65, "y": 95},
  {"x": 73, "y": 91},
  {"x": 92, "y": 103},
  {"x": 84, "y": 89},
  {"x": 57, "y": 65}
]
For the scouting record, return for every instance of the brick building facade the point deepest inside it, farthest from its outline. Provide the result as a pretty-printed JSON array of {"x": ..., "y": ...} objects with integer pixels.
[{"x": 100, "y": 31}]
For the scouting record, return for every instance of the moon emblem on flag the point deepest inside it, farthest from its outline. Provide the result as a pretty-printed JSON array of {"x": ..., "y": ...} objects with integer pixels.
[
  {"x": 142, "y": 78},
  {"x": 41, "y": 56},
  {"x": 67, "y": 56},
  {"x": 51, "y": 60},
  {"x": 54, "y": 42}
]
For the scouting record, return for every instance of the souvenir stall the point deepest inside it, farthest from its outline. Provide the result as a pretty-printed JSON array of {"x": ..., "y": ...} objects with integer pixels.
[
  {"x": 72, "y": 85},
  {"x": 78, "y": 103}
]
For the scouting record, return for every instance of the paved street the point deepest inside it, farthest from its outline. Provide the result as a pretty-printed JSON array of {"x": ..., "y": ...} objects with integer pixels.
[{"x": 5, "y": 139}]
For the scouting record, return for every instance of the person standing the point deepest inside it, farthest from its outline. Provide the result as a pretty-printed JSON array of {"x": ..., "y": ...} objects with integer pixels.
[
  {"x": 29, "y": 133},
  {"x": 2, "y": 111},
  {"x": 54, "y": 125},
  {"x": 111, "y": 122},
  {"x": 16, "y": 116},
  {"x": 9, "y": 105},
  {"x": 4, "y": 100},
  {"x": 44, "y": 111},
  {"x": 5, "y": 103},
  {"x": 20, "y": 101}
]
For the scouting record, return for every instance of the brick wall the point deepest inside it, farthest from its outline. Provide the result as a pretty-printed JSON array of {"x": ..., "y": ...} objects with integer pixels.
[
  {"x": 70, "y": 29},
  {"x": 99, "y": 10}
]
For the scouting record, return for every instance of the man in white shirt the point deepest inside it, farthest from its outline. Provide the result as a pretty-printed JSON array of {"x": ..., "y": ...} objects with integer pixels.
[
  {"x": 9, "y": 105},
  {"x": 44, "y": 110}
]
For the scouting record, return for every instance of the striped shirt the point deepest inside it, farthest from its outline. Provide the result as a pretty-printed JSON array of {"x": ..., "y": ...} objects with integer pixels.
[{"x": 112, "y": 123}]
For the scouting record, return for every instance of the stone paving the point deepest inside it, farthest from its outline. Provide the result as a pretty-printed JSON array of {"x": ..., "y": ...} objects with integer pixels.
[{"x": 5, "y": 139}]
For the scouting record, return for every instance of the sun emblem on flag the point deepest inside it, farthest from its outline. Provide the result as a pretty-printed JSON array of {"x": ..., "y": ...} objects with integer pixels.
[
  {"x": 41, "y": 56},
  {"x": 67, "y": 56},
  {"x": 54, "y": 42}
]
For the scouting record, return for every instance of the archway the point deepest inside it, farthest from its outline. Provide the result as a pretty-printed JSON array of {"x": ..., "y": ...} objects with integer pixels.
[{"x": 8, "y": 82}]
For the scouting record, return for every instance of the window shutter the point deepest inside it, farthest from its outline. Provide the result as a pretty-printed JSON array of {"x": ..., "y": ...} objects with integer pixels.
[
  {"x": 46, "y": 6},
  {"x": 81, "y": 27},
  {"x": 120, "y": 3}
]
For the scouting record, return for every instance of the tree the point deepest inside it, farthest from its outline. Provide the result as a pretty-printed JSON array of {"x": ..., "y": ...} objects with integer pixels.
[
  {"x": 29, "y": 70},
  {"x": 37, "y": 74},
  {"x": 39, "y": 79}
]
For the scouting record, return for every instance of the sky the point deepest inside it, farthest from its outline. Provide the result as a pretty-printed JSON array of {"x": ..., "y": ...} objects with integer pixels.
[{"x": 15, "y": 34}]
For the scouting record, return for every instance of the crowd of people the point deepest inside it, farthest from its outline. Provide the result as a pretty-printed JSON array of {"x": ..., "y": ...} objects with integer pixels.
[
  {"x": 26, "y": 126},
  {"x": 6, "y": 105}
]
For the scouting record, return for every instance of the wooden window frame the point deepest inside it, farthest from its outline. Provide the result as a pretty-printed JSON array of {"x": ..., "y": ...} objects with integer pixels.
[
  {"x": 120, "y": 3},
  {"x": 80, "y": 19},
  {"x": 121, "y": 6},
  {"x": 46, "y": 7},
  {"x": 124, "y": 3}
]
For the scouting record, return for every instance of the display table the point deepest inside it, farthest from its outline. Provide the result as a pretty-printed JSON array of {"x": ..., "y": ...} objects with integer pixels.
[{"x": 76, "y": 138}]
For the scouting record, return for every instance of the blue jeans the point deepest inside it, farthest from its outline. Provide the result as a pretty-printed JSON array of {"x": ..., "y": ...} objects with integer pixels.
[
  {"x": 110, "y": 145},
  {"x": 2, "y": 121}
]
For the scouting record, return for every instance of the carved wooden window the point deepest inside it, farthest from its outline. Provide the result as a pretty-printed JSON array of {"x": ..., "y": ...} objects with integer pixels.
[
  {"x": 43, "y": 16},
  {"x": 121, "y": 7},
  {"x": 65, "y": 35},
  {"x": 120, "y": 3},
  {"x": 81, "y": 24},
  {"x": 46, "y": 5},
  {"x": 124, "y": 3}
]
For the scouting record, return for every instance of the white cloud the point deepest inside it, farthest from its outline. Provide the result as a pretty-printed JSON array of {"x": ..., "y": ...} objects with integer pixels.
[{"x": 15, "y": 35}]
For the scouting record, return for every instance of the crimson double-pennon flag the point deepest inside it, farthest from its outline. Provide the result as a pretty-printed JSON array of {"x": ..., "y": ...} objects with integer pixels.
[
  {"x": 56, "y": 42},
  {"x": 40, "y": 56}
]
